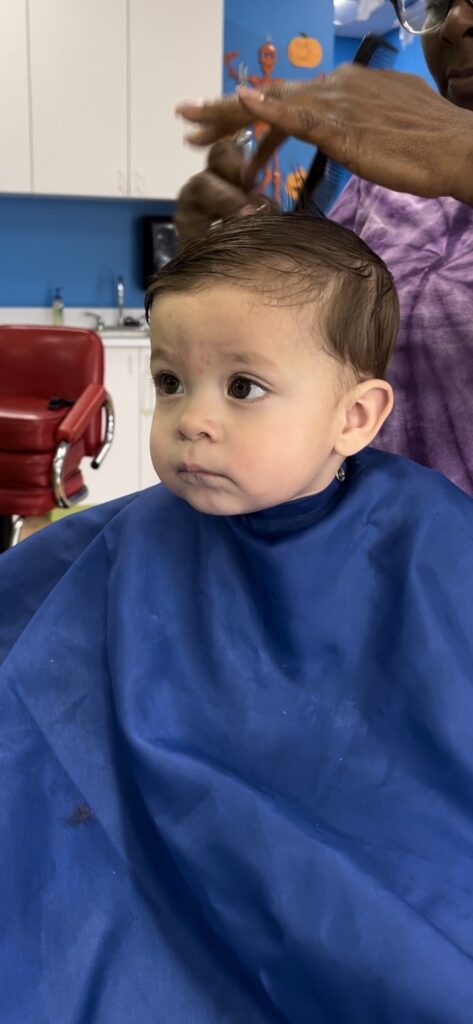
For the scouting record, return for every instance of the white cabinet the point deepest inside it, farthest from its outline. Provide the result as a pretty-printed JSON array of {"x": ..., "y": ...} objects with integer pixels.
[
  {"x": 15, "y": 168},
  {"x": 89, "y": 88},
  {"x": 79, "y": 96},
  {"x": 175, "y": 52},
  {"x": 127, "y": 467}
]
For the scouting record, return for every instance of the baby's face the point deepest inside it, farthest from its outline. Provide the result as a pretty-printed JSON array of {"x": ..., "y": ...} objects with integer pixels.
[{"x": 248, "y": 405}]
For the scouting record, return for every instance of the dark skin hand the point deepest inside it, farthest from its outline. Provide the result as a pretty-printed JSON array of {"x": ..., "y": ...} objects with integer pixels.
[
  {"x": 387, "y": 127},
  {"x": 217, "y": 192}
]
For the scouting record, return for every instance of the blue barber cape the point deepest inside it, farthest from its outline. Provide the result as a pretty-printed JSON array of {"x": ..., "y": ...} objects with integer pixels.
[{"x": 236, "y": 760}]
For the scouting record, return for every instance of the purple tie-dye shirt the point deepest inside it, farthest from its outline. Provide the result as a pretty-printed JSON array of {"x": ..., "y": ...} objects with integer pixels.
[{"x": 428, "y": 246}]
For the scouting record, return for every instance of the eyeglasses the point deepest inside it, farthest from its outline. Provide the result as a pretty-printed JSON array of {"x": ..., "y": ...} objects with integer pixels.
[{"x": 423, "y": 16}]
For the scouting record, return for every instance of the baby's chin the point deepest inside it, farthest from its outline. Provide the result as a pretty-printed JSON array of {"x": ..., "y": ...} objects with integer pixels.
[
  {"x": 211, "y": 502},
  {"x": 219, "y": 502},
  {"x": 213, "y": 506}
]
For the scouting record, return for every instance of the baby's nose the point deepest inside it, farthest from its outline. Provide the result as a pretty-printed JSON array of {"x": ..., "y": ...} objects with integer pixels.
[
  {"x": 195, "y": 423},
  {"x": 187, "y": 434}
]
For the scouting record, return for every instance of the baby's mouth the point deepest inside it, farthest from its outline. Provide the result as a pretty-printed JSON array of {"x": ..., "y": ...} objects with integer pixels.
[{"x": 196, "y": 470}]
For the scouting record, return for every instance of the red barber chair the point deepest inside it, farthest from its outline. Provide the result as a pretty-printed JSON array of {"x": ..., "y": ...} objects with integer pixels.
[{"x": 54, "y": 411}]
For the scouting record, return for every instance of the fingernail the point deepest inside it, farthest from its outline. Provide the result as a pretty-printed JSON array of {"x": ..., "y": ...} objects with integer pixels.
[
  {"x": 247, "y": 211},
  {"x": 188, "y": 103},
  {"x": 249, "y": 94}
]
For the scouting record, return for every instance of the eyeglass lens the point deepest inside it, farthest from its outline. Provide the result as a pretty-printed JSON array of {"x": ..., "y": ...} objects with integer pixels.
[{"x": 424, "y": 15}]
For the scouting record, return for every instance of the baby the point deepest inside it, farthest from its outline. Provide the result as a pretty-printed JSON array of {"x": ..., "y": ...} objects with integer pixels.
[
  {"x": 236, "y": 710},
  {"x": 269, "y": 345}
]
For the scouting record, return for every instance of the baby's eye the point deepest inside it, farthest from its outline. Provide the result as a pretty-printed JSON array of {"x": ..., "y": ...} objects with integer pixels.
[
  {"x": 243, "y": 387},
  {"x": 167, "y": 384}
]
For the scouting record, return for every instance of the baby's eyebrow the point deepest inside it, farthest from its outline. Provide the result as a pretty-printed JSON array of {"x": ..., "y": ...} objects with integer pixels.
[
  {"x": 161, "y": 353},
  {"x": 249, "y": 359},
  {"x": 244, "y": 358}
]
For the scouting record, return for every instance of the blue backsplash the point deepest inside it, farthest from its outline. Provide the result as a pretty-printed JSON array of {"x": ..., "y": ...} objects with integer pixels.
[{"x": 79, "y": 245}]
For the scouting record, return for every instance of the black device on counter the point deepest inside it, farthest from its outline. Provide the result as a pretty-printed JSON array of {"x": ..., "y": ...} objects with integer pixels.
[
  {"x": 159, "y": 244},
  {"x": 376, "y": 52}
]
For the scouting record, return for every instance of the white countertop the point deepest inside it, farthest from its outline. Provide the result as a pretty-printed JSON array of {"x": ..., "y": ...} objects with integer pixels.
[{"x": 75, "y": 317}]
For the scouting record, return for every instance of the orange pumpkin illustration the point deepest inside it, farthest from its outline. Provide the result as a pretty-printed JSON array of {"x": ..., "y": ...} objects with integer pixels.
[
  {"x": 295, "y": 181},
  {"x": 304, "y": 51}
]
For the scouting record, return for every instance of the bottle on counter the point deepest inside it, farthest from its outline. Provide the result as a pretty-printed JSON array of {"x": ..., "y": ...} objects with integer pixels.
[{"x": 57, "y": 309}]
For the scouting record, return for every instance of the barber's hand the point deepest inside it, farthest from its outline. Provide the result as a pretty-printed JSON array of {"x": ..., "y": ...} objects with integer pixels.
[
  {"x": 385, "y": 126},
  {"x": 216, "y": 192}
]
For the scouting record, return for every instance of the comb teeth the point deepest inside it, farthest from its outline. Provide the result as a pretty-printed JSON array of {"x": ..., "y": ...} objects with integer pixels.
[
  {"x": 334, "y": 179},
  {"x": 382, "y": 58}
]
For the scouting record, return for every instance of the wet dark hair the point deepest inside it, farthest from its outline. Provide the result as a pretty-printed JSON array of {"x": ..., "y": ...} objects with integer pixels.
[{"x": 294, "y": 259}]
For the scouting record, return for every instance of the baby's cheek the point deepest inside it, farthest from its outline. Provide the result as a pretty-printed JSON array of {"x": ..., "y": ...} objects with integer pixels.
[
  {"x": 157, "y": 445},
  {"x": 261, "y": 454}
]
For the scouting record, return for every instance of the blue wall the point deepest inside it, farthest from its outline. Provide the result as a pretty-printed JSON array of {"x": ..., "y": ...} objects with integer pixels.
[
  {"x": 81, "y": 245},
  {"x": 410, "y": 57}
]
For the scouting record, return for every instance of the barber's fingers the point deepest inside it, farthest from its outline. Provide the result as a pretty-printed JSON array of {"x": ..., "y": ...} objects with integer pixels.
[
  {"x": 213, "y": 118},
  {"x": 206, "y": 135},
  {"x": 227, "y": 160},
  {"x": 201, "y": 111},
  {"x": 296, "y": 114},
  {"x": 270, "y": 141},
  {"x": 309, "y": 118},
  {"x": 230, "y": 112},
  {"x": 207, "y": 197},
  {"x": 225, "y": 116},
  {"x": 208, "y": 191}
]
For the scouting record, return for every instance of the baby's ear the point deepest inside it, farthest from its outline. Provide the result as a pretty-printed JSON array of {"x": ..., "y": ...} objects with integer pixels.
[{"x": 367, "y": 406}]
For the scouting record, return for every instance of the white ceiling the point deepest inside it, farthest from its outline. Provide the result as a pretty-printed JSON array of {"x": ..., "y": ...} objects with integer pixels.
[{"x": 380, "y": 21}]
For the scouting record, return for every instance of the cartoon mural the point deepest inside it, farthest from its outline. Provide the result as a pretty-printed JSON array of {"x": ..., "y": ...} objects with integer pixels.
[
  {"x": 267, "y": 59},
  {"x": 305, "y": 52},
  {"x": 263, "y": 43}
]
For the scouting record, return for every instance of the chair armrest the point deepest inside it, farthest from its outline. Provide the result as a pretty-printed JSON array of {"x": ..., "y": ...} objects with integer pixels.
[{"x": 74, "y": 425}]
